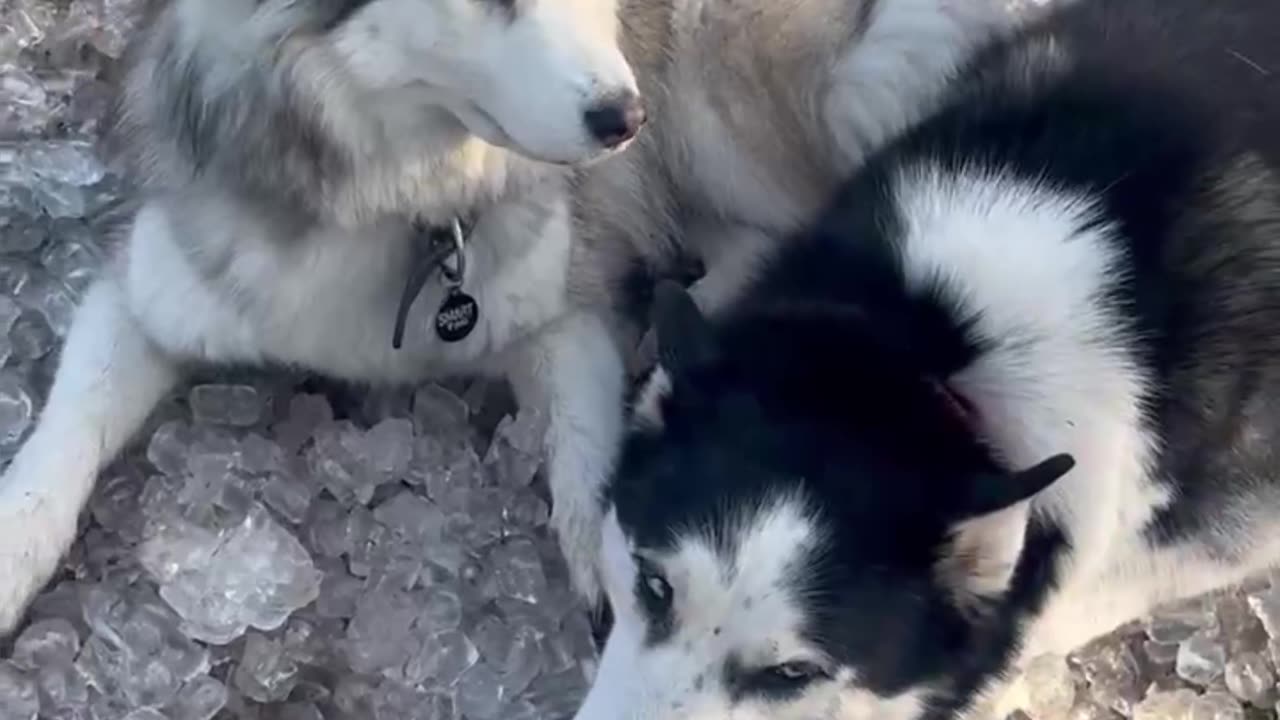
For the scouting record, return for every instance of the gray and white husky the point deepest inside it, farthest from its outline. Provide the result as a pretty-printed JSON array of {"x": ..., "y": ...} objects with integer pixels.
[
  {"x": 1020, "y": 382},
  {"x": 380, "y": 190}
]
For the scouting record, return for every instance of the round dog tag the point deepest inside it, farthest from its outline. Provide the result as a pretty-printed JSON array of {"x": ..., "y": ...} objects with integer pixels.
[{"x": 457, "y": 316}]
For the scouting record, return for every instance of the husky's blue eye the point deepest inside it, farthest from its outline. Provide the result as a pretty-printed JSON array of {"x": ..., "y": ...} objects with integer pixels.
[
  {"x": 655, "y": 591},
  {"x": 796, "y": 672},
  {"x": 658, "y": 589}
]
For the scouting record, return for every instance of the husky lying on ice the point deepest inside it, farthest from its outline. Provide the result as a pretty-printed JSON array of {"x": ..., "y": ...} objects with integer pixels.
[
  {"x": 379, "y": 190},
  {"x": 1018, "y": 384}
]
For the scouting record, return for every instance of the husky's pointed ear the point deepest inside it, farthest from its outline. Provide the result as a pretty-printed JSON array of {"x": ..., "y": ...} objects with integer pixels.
[
  {"x": 987, "y": 541},
  {"x": 685, "y": 339},
  {"x": 990, "y": 493}
]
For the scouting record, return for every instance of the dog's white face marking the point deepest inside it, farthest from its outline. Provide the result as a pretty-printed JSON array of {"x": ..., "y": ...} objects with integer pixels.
[
  {"x": 521, "y": 74},
  {"x": 714, "y": 627}
]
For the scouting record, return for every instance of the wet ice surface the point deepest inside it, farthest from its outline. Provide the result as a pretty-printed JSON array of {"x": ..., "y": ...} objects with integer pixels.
[{"x": 273, "y": 547}]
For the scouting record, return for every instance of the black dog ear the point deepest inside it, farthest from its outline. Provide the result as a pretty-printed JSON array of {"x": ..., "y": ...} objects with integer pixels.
[
  {"x": 686, "y": 341},
  {"x": 990, "y": 493},
  {"x": 989, "y": 533}
]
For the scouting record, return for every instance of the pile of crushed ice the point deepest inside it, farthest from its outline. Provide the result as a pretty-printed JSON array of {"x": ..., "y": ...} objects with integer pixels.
[
  {"x": 273, "y": 547},
  {"x": 260, "y": 553},
  {"x": 1209, "y": 658},
  {"x": 265, "y": 558}
]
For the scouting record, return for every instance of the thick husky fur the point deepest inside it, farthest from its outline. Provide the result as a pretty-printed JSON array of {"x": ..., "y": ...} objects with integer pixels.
[
  {"x": 1018, "y": 384},
  {"x": 287, "y": 145},
  {"x": 764, "y": 107}
]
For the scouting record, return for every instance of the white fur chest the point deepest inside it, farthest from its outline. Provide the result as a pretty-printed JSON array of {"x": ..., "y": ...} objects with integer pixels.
[{"x": 327, "y": 300}]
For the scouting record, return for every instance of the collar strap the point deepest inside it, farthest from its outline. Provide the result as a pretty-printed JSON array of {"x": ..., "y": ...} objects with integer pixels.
[{"x": 431, "y": 246}]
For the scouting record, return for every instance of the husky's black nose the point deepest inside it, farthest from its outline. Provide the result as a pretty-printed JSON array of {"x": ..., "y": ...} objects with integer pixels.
[{"x": 615, "y": 120}]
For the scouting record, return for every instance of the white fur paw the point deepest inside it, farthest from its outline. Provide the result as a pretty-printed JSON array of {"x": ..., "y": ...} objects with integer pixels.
[
  {"x": 33, "y": 538},
  {"x": 579, "y": 536}
]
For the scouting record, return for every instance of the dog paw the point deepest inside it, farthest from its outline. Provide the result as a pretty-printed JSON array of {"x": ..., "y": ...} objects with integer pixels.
[{"x": 33, "y": 539}]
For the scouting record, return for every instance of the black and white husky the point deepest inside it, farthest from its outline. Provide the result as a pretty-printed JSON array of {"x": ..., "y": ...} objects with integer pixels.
[
  {"x": 1021, "y": 382},
  {"x": 380, "y": 190}
]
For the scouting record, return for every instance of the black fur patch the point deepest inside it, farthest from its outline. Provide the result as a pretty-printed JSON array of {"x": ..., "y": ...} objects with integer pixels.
[
  {"x": 1160, "y": 105},
  {"x": 823, "y": 386}
]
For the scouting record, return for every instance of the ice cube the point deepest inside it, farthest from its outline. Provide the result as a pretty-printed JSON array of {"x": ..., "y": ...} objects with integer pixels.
[
  {"x": 265, "y": 673},
  {"x": 1201, "y": 659},
  {"x": 73, "y": 257},
  {"x": 169, "y": 447},
  {"x": 379, "y": 636},
  {"x": 288, "y": 495},
  {"x": 306, "y": 413},
  {"x": 1159, "y": 655},
  {"x": 437, "y": 411},
  {"x": 442, "y": 659},
  {"x": 515, "y": 453},
  {"x": 393, "y": 700},
  {"x": 1089, "y": 710},
  {"x": 199, "y": 699},
  {"x": 50, "y": 298},
  {"x": 1239, "y": 629},
  {"x": 1215, "y": 705},
  {"x": 19, "y": 699},
  {"x": 440, "y": 609},
  {"x": 339, "y": 592},
  {"x": 136, "y": 649},
  {"x": 558, "y": 695},
  {"x": 1250, "y": 678},
  {"x": 300, "y": 711},
  {"x": 252, "y": 575},
  {"x": 1051, "y": 689},
  {"x": 335, "y": 458},
  {"x": 326, "y": 528},
  {"x": 16, "y": 410},
  {"x": 1170, "y": 705},
  {"x": 388, "y": 447},
  {"x": 1266, "y": 605},
  {"x": 411, "y": 518},
  {"x": 30, "y": 338},
  {"x": 1175, "y": 623},
  {"x": 46, "y": 643},
  {"x": 1113, "y": 672},
  {"x": 474, "y": 516},
  {"x": 9, "y": 313},
  {"x": 116, "y": 502},
  {"x": 479, "y": 694},
  {"x": 516, "y": 571},
  {"x": 235, "y": 405}
]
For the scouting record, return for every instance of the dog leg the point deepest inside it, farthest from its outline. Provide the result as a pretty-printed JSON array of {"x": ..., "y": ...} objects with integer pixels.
[
  {"x": 109, "y": 378},
  {"x": 733, "y": 255},
  {"x": 575, "y": 372}
]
